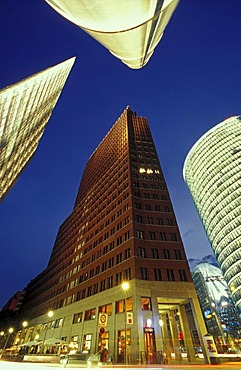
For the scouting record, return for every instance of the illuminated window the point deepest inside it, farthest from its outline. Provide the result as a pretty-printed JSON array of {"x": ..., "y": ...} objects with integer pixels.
[
  {"x": 106, "y": 309},
  {"x": 90, "y": 314},
  {"x": 77, "y": 317},
  {"x": 86, "y": 342},
  {"x": 146, "y": 304}
]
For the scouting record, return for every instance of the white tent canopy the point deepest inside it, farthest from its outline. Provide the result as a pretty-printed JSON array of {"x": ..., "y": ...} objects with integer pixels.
[
  {"x": 54, "y": 341},
  {"x": 29, "y": 344}
]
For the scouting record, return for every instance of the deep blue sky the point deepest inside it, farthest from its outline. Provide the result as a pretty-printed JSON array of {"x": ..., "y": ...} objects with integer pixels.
[{"x": 191, "y": 83}]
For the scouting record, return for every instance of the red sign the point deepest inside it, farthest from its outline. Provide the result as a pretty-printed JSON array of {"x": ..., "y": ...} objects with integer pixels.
[{"x": 102, "y": 330}]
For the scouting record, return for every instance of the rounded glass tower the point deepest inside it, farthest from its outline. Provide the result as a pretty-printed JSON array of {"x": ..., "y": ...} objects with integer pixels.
[{"x": 212, "y": 171}]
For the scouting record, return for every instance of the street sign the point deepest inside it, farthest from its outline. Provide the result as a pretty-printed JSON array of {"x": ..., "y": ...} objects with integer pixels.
[{"x": 103, "y": 317}]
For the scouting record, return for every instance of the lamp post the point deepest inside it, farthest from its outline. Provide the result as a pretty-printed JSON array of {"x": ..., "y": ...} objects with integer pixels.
[
  {"x": 49, "y": 314},
  {"x": 24, "y": 325},
  {"x": 125, "y": 287},
  {"x": 10, "y": 331}
]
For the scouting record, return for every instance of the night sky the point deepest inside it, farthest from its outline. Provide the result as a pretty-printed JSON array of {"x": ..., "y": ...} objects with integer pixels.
[{"x": 191, "y": 83}]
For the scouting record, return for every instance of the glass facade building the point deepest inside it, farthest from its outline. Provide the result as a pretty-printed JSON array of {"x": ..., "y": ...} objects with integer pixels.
[
  {"x": 130, "y": 30},
  {"x": 25, "y": 109},
  {"x": 212, "y": 172},
  {"x": 219, "y": 312}
]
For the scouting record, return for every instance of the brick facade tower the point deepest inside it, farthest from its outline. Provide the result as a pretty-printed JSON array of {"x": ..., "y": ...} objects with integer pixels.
[{"x": 122, "y": 229}]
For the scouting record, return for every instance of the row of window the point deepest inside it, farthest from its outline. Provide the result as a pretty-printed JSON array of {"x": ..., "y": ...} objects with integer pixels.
[
  {"x": 151, "y": 207},
  {"x": 159, "y": 275},
  {"x": 154, "y": 220},
  {"x": 159, "y": 254},
  {"x": 152, "y": 235}
]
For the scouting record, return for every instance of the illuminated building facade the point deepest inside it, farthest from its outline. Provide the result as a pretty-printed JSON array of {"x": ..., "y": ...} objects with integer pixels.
[
  {"x": 122, "y": 229},
  {"x": 219, "y": 311},
  {"x": 25, "y": 108},
  {"x": 212, "y": 173},
  {"x": 130, "y": 30}
]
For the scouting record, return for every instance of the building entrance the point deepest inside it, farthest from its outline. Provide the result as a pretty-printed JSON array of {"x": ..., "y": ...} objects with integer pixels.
[{"x": 150, "y": 345}]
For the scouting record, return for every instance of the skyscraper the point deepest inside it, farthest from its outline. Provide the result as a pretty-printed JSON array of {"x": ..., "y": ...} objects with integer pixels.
[
  {"x": 130, "y": 30},
  {"x": 25, "y": 109},
  {"x": 212, "y": 173},
  {"x": 122, "y": 230}
]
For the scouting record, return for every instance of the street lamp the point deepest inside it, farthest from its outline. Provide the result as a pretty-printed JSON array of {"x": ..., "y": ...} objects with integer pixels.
[
  {"x": 10, "y": 331},
  {"x": 125, "y": 286},
  {"x": 49, "y": 314},
  {"x": 23, "y": 333}
]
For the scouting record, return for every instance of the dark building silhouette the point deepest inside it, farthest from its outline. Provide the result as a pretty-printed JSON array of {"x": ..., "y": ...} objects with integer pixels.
[{"x": 122, "y": 229}]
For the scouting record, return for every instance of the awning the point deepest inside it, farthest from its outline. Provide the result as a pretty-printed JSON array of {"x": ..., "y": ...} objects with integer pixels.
[
  {"x": 29, "y": 344},
  {"x": 55, "y": 341}
]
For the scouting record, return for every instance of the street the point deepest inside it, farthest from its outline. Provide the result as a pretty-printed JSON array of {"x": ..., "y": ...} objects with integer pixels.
[{"x": 5, "y": 365}]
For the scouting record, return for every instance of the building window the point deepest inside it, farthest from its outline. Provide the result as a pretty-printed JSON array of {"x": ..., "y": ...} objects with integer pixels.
[
  {"x": 111, "y": 262},
  {"x": 77, "y": 317},
  {"x": 119, "y": 306},
  {"x": 160, "y": 221},
  {"x": 106, "y": 309},
  {"x": 173, "y": 237},
  {"x": 178, "y": 255},
  {"x": 163, "y": 236},
  {"x": 95, "y": 288},
  {"x": 127, "y": 274},
  {"x": 146, "y": 304},
  {"x": 102, "y": 285},
  {"x": 104, "y": 266},
  {"x": 91, "y": 273},
  {"x": 144, "y": 273},
  {"x": 119, "y": 241},
  {"x": 148, "y": 207},
  {"x": 118, "y": 278},
  {"x": 158, "y": 274},
  {"x": 166, "y": 209},
  {"x": 141, "y": 252},
  {"x": 86, "y": 346},
  {"x": 139, "y": 218},
  {"x": 129, "y": 304},
  {"x": 127, "y": 235},
  {"x": 170, "y": 221},
  {"x": 119, "y": 258},
  {"x": 58, "y": 323},
  {"x": 182, "y": 275},
  {"x": 127, "y": 253},
  {"x": 155, "y": 253},
  {"x": 139, "y": 234},
  {"x": 152, "y": 235},
  {"x": 112, "y": 231},
  {"x": 158, "y": 208},
  {"x": 89, "y": 291},
  {"x": 111, "y": 246},
  {"x": 90, "y": 314},
  {"x": 150, "y": 220},
  {"x": 119, "y": 226},
  {"x": 110, "y": 282},
  {"x": 170, "y": 275},
  {"x": 166, "y": 254}
]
